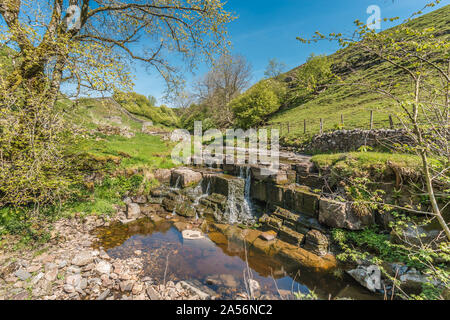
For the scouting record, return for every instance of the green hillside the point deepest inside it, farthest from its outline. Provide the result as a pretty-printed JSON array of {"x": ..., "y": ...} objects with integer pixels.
[{"x": 354, "y": 104}]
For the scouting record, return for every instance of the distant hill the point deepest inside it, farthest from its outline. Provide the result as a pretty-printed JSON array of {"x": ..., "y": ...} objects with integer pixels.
[
  {"x": 352, "y": 103},
  {"x": 93, "y": 112}
]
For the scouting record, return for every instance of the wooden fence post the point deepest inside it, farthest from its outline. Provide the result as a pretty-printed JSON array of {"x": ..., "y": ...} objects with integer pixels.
[
  {"x": 289, "y": 127},
  {"x": 391, "y": 121},
  {"x": 281, "y": 128},
  {"x": 304, "y": 126},
  {"x": 371, "y": 119},
  {"x": 321, "y": 125},
  {"x": 342, "y": 120}
]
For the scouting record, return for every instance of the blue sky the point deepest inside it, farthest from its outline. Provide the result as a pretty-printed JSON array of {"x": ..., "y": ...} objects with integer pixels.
[{"x": 268, "y": 29}]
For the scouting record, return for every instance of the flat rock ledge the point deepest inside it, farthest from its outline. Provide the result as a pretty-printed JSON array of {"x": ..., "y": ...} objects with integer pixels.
[
  {"x": 69, "y": 268},
  {"x": 289, "y": 253}
]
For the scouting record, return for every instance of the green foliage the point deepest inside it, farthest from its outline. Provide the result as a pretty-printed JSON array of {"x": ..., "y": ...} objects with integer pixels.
[
  {"x": 314, "y": 74},
  {"x": 141, "y": 151},
  {"x": 106, "y": 195},
  {"x": 142, "y": 106},
  {"x": 201, "y": 113},
  {"x": 377, "y": 247},
  {"x": 354, "y": 161},
  {"x": 260, "y": 101},
  {"x": 35, "y": 165}
]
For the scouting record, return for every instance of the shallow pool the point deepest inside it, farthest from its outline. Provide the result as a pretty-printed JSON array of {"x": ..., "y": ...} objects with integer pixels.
[{"x": 218, "y": 263}]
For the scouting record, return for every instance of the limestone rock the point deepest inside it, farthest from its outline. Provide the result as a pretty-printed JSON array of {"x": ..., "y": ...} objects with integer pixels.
[
  {"x": 369, "y": 277},
  {"x": 139, "y": 199},
  {"x": 133, "y": 211},
  {"x": 103, "y": 267},
  {"x": 269, "y": 235},
  {"x": 83, "y": 259},
  {"x": 163, "y": 175},
  {"x": 185, "y": 177},
  {"x": 316, "y": 242},
  {"x": 337, "y": 214},
  {"x": 22, "y": 274},
  {"x": 192, "y": 235}
]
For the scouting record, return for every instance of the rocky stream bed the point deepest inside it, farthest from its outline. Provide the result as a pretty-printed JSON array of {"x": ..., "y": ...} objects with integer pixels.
[{"x": 224, "y": 232}]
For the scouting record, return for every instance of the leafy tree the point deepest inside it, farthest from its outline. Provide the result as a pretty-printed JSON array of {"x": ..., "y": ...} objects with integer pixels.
[
  {"x": 91, "y": 42},
  {"x": 88, "y": 45},
  {"x": 260, "y": 101},
  {"x": 315, "y": 74},
  {"x": 274, "y": 68},
  {"x": 152, "y": 100}
]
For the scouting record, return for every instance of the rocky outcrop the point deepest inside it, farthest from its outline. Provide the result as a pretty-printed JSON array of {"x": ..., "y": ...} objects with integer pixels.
[
  {"x": 316, "y": 242},
  {"x": 291, "y": 254},
  {"x": 185, "y": 178},
  {"x": 337, "y": 214},
  {"x": 163, "y": 175}
]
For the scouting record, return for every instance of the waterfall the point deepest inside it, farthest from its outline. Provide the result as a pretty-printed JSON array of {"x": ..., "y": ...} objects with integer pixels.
[
  {"x": 232, "y": 212},
  {"x": 177, "y": 184},
  {"x": 248, "y": 207},
  {"x": 239, "y": 206},
  {"x": 200, "y": 195}
]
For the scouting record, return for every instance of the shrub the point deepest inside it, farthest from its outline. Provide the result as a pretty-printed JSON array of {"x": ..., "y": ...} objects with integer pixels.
[{"x": 260, "y": 101}]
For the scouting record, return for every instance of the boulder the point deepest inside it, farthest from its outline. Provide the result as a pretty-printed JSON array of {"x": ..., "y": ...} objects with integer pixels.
[
  {"x": 332, "y": 213},
  {"x": 185, "y": 178},
  {"x": 337, "y": 214},
  {"x": 413, "y": 281},
  {"x": 163, "y": 175},
  {"x": 369, "y": 277},
  {"x": 417, "y": 236},
  {"x": 133, "y": 211}
]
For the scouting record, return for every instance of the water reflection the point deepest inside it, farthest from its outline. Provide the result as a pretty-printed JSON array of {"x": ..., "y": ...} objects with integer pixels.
[{"x": 216, "y": 261}]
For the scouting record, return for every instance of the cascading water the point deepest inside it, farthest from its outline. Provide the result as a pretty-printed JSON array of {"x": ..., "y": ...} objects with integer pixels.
[
  {"x": 239, "y": 205},
  {"x": 177, "y": 184},
  {"x": 200, "y": 195},
  {"x": 247, "y": 206}
]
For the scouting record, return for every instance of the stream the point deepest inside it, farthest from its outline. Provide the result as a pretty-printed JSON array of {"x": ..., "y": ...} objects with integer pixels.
[{"x": 218, "y": 263}]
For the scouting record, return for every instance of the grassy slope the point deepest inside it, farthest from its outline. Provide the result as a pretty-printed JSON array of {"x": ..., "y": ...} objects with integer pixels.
[
  {"x": 353, "y": 103},
  {"x": 141, "y": 153}
]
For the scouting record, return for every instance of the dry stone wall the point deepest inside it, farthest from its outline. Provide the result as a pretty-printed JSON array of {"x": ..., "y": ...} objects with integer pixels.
[{"x": 352, "y": 140}]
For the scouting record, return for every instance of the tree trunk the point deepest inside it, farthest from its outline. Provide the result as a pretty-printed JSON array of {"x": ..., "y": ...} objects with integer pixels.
[{"x": 430, "y": 190}]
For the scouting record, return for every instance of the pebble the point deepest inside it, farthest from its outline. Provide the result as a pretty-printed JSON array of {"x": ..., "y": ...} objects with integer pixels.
[
  {"x": 103, "y": 267},
  {"x": 22, "y": 274}
]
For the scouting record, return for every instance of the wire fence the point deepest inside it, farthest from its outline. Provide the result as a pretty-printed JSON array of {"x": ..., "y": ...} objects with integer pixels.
[{"x": 321, "y": 125}]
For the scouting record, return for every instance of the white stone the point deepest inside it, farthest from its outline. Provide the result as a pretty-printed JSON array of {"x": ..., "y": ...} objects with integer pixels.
[
  {"x": 369, "y": 277},
  {"x": 192, "y": 235},
  {"x": 103, "y": 267},
  {"x": 82, "y": 259}
]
